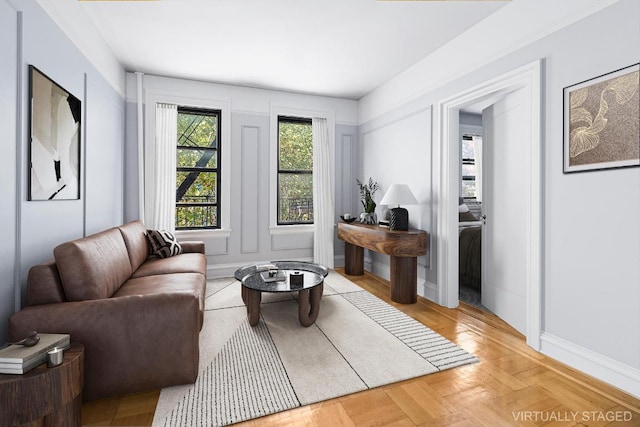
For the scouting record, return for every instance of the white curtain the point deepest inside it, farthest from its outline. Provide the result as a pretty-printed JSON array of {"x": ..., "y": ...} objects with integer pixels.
[
  {"x": 477, "y": 151},
  {"x": 160, "y": 182},
  {"x": 323, "y": 212}
]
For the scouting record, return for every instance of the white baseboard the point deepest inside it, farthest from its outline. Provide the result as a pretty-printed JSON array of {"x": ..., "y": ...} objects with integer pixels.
[
  {"x": 378, "y": 268},
  {"x": 428, "y": 290},
  {"x": 217, "y": 271},
  {"x": 624, "y": 377}
]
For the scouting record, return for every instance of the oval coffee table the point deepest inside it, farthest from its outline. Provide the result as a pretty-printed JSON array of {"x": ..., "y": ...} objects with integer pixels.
[{"x": 277, "y": 277}]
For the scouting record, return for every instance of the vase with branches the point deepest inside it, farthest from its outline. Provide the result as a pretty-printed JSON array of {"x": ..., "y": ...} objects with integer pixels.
[{"x": 367, "y": 190}]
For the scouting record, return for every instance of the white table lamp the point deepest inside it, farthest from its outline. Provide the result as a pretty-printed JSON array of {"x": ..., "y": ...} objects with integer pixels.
[{"x": 399, "y": 194}]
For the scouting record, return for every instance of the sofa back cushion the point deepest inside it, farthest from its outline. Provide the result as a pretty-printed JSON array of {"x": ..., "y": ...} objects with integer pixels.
[
  {"x": 43, "y": 285},
  {"x": 134, "y": 237},
  {"x": 93, "y": 267}
]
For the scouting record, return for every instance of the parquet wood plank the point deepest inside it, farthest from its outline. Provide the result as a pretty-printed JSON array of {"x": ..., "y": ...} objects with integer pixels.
[
  {"x": 420, "y": 404},
  {"x": 100, "y": 412},
  {"x": 374, "y": 408}
]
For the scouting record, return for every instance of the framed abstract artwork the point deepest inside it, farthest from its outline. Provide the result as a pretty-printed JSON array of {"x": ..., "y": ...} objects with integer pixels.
[
  {"x": 54, "y": 140},
  {"x": 602, "y": 122}
]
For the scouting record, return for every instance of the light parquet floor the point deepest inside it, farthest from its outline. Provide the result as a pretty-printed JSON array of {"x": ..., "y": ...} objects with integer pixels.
[{"x": 512, "y": 385}]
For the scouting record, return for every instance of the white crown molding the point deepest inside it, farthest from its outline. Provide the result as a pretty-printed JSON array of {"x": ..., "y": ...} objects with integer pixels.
[
  {"x": 73, "y": 20},
  {"x": 524, "y": 21}
]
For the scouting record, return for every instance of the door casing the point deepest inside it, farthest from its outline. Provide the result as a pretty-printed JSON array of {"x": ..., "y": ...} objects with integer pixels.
[{"x": 446, "y": 150}]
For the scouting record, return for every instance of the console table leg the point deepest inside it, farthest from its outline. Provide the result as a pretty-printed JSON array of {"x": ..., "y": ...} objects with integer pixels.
[
  {"x": 309, "y": 304},
  {"x": 252, "y": 300},
  {"x": 353, "y": 259},
  {"x": 404, "y": 279}
]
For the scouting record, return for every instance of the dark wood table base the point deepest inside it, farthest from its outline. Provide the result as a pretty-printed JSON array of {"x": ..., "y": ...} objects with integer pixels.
[
  {"x": 404, "y": 279},
  {"x": 45, "y": 396},
  {"x": 308, "y": 304},
  {"x": 353, "y": 259},
  {"x": 403, "y": 273},
  {"x": 403, "y": 247}
]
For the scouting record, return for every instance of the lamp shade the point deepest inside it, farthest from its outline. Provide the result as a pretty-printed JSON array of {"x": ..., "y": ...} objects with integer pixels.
[{"x": 399, "y": 194}]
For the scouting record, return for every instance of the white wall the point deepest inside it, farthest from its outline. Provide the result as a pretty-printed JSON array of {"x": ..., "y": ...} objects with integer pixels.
[
  {"x": 104, "y": 120},
  {"x": 36, "y": 227},
  {"x": 8, "y": 87},
  {"x": 397, "y": 151},
  {"x": 591, "y": 235},
  {"x": 248, "y": 236}
]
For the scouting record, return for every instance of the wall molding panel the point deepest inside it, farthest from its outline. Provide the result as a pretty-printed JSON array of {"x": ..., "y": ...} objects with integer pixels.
[{"x": 250, "y": 189}]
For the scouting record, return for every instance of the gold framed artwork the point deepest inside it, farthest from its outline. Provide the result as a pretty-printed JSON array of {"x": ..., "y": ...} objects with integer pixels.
[{"x": 602, "y": 122}]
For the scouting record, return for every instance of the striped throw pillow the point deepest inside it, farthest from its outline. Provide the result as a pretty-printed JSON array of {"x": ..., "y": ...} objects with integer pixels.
[{"x": 163, "y": 243}]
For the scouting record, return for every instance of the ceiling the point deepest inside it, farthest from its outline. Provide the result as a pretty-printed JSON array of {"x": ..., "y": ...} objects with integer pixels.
[{"x": 340, "y": 48}]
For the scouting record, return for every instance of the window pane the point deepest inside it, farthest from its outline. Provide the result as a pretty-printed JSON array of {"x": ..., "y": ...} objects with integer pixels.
[
  {"x": 196, "y": 187},
  {"x": 468, "y": 170},
  {"x": 295, "y": 146},
  {"x": 469, "y": 189},
  {"x": 295, "y": 198},
  {"x": 197, "y": 130},
  {"x": 197, "y": 158},
  {"x": 467, "y": 150},
  {"x": 196, "y": 216}
]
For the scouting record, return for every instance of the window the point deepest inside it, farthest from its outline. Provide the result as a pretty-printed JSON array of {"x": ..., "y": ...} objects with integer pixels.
[
  {"x": 295, "y": 171},
  {"x": 198, "y": 169},
  {"x": 470, "y": 166}
]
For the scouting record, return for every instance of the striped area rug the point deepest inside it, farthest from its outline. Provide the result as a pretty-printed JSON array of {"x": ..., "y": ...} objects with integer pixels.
[
  {"x": 246, "y": 380},
  {"x": 357, "y": 343},
  {"x": 433, "y": 347}
]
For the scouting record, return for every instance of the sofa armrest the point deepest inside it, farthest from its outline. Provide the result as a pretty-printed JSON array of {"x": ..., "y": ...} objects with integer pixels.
[
  {"x": 192, "y": 247},
  {"x": 132, "y": 343}
]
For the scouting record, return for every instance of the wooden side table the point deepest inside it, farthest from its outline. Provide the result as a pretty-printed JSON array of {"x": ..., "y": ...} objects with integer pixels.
[
  {"x": 402, "y": 246},
  {"x": 45, "y": 396}
]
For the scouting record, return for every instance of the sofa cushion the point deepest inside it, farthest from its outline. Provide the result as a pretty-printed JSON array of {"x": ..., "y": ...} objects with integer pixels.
[
  {"x": 93, "y": 267},
  {"x": 184, "y": 263},
  {"x": 167, "y": 284},
  {"x": 43, "y": 284},
  {"x": 163, "y": 243},
  {"x": 134, "y": 235}
]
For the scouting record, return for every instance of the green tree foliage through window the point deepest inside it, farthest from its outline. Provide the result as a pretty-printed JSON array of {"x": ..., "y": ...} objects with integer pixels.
[
  {"x": 295, "y": 171},
  {"x": 198, "y": 170}
]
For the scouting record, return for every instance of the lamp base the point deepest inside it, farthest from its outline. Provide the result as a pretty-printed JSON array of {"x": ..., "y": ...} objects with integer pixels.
[{"x": 399, "y": 219}]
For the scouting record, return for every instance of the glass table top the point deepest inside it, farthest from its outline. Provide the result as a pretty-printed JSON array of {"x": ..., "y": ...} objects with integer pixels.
[{"x": 276, "y": 276}]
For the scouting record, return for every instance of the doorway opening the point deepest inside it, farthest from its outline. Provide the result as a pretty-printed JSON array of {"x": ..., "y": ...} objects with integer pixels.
[
  {"x": 470, "y": 209},
  {"x": 447, "y": 150}
]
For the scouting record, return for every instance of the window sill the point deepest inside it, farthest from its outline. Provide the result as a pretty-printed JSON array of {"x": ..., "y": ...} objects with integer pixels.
[
  {"x": 203, "y": 234},
  {"x": 291, "y": 229}
]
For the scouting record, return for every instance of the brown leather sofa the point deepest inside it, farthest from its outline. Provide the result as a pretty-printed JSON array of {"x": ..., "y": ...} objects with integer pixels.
[{"x": 138, "y": 317}]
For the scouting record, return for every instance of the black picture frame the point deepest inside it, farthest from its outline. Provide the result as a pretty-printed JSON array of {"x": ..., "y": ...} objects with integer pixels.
[
  {"x": 54, "y": 140},
  {"x": 601, "y": 119}
]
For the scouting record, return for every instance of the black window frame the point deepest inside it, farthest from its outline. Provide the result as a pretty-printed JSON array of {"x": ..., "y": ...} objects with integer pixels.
[
  {"x": 217, "y": 170},
  {"x": 279, "y": 171}
]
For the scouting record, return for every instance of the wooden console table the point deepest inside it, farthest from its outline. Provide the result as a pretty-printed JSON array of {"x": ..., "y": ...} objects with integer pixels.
[
  {"x": 404, "y": 247},
  {"x": 45, "y": 396}
]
